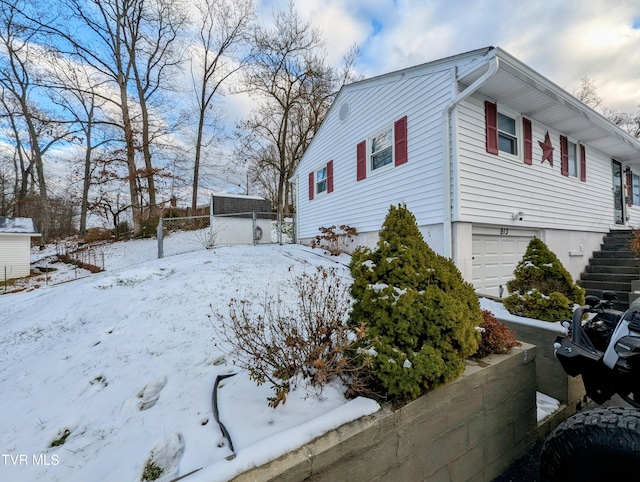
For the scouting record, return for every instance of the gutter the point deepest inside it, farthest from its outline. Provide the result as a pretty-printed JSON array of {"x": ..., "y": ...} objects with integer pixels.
[{"x": 447, "y": 189}]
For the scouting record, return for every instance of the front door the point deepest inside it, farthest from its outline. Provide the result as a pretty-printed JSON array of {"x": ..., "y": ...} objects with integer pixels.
[{"x": 618, "y": 193}]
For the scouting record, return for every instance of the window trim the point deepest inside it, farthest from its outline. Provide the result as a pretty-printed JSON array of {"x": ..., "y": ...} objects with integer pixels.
[
  {"x": 397, "y": 130},
  {"x": 325, "y": 180},
  {"x": 576, "y": 159},
  {"x": 516, "y": 137},
  {"x": 387, "y": 128}
]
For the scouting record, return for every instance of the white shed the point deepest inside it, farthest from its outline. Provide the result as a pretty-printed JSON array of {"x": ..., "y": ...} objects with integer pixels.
[{"x": 15, "y": 246}]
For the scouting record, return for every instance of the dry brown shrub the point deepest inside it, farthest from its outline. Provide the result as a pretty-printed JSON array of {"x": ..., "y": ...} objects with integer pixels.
[
  {"x": 496, "y": 337},
  {"x": 335, "y": 240},
  {"x": 283, "y": 344}
]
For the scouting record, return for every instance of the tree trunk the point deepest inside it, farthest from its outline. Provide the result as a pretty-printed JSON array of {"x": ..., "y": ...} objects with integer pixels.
[
  {"x": 131, "y": 160},
  {"x": 86, "y": 183}
]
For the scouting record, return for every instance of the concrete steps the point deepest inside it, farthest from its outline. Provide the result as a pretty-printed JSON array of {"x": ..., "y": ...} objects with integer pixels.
[{"x": 613, "y": 267}]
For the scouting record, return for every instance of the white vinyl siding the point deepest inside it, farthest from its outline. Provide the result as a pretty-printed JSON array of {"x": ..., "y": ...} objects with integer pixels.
[
  {"x": 418, "y": 183},
  {"x": 634, "y": 210},
  {"x": 492, "y": 187},
  {"x": 15, "y": 253}
]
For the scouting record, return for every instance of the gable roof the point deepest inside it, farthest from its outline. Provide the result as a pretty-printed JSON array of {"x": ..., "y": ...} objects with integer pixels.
[
  {"x": 520, "y": 88},
  {"x": 18, "y": 226}
]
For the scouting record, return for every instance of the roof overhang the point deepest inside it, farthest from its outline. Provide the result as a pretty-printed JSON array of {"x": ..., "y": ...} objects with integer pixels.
[
  {"x": 33, "y": 235},
  {"x": 523, "y": 90}
]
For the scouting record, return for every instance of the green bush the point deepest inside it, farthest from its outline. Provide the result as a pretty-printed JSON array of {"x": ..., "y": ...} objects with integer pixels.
[
  {"x": 418, "y": 314},
  {"x": 542, "y": 288},
  {"x": 149, "y": 227}
]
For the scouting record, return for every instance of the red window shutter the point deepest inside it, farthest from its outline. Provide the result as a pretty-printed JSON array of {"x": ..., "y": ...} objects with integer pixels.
[
  {"x": 312, "y": 185},
  {"x": 528, "y": 141},
  {"x": 400, "y": 138},
  {"x": 583, "y": 164},
  {"x": 564, "y": 155},
  {"x": 361, "y": 159},
  {"x": 330, "y": 176},
  {"x": 491, "y": 126}
]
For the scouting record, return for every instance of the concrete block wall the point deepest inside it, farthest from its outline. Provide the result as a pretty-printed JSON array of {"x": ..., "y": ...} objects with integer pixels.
[
  {"x": 551, "y": 379},
  {"x": 468, "y": 430}
]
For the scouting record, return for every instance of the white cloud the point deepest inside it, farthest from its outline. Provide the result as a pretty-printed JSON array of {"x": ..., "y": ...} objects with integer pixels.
[{"x": 563, "y": 40}]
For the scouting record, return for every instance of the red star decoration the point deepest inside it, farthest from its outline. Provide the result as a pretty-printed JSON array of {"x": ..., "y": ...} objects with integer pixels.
[{"x": 547, "y": 149}]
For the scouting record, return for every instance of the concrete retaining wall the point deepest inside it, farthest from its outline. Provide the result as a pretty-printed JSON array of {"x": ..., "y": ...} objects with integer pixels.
[
  {"x": 468, "y": 430},
  {"x": 551, "y": 379}
]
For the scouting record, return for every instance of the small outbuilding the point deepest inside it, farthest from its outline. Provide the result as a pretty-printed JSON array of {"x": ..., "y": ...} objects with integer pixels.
[{"x": 15, "y": 246}]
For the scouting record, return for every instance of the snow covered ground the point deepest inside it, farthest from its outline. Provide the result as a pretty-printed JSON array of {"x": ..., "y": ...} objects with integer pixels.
[{"x": 118, "y": 369}]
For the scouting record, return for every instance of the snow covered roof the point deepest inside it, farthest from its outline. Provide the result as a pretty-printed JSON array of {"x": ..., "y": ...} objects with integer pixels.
[{"x": 18, "y": 226}]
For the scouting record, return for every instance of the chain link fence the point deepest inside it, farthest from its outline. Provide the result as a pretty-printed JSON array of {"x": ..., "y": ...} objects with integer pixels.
[{"x": 194, "y": 233}]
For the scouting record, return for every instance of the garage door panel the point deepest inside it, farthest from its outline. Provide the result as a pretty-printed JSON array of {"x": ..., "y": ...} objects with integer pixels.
[
  {"x": 491, "y": 248},
  {"x": 494, "y": 260}
]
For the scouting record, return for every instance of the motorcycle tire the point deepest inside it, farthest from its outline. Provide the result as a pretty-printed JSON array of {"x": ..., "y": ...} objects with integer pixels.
[{"x": 595, "y": 445}]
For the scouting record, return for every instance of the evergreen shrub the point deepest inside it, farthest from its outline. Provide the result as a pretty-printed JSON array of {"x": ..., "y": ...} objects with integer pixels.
[
  {"x": 542, "y": 288},
  {"x": 418, "y": 313}
]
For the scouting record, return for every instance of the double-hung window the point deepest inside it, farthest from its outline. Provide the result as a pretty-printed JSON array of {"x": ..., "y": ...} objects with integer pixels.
[
  {"x": 321, "y": 180},
  {"x": 381, "y": 149},
  {"x": 572, "y": 152},
  {"x": 501, "y": 129},
  {"x": 507, "y": 134},
  {"x": 635, "y": 189}
]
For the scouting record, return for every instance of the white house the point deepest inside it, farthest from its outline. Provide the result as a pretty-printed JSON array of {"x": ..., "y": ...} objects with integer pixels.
[
  {"x": 486, "y": 153},
  {"x": 15, "y": 247}
]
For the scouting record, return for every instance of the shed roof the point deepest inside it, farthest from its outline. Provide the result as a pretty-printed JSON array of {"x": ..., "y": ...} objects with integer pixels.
[{"x": 18, "y": 226}]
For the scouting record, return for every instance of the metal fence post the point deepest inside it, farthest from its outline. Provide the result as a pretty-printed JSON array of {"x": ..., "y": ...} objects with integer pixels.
[
  {"x": 255, "y": 224},
  {"x": 294, "y": 228},
  {"x": 212, "y": 220},
  {"x": 160, "y": 240}
]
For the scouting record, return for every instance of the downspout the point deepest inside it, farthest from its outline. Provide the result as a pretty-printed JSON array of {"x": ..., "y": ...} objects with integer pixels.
[{"x": 446, "y": 114}]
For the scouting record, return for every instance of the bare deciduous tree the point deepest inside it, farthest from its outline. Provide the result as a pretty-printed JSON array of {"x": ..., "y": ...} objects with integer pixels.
[
  {"x": 129, "y": 44},
  {"x": 218, "y": 53},
  {"x": 32, "y": 129},
  {"x": 627, "y": 121},
  {"x": 587, "y": 92},
  {"x": 290, "y": 79},
  {"x": 75, "y": 89}
]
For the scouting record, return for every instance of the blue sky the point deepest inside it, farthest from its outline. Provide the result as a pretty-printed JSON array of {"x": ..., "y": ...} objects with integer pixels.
[{"x": 562, "y": 39}]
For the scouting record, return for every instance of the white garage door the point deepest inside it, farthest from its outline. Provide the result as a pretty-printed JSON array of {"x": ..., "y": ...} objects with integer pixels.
[{"x": 495, "y": 257}]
